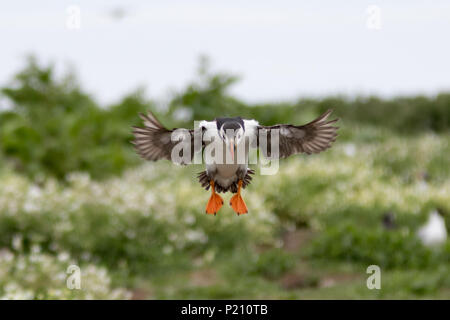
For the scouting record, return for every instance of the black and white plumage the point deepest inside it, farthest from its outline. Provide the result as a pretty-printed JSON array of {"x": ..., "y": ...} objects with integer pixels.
[
  {"x": 313, "y": 137},
  {"x": 154, "y": 142}
]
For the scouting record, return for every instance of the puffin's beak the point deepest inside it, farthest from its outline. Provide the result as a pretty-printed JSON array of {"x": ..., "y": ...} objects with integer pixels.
[{"x": 232, "y": 148}]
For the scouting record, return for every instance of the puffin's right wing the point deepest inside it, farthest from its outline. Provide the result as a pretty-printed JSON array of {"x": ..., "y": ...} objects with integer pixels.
[
  {"x": 314, "y": 137},
  {"x": 154, "y": 142}
]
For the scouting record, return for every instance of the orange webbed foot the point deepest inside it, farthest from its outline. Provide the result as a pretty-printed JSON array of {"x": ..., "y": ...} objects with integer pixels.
[
  {"x": 215, "y": 202},
  {"x": 237, "y": 203}
]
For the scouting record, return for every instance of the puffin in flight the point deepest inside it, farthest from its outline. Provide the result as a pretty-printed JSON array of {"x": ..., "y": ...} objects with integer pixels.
[{"x": 227, "y": 164}]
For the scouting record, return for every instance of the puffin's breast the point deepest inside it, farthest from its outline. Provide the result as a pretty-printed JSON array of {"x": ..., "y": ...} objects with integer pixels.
[{"x": 227, "y": 170}]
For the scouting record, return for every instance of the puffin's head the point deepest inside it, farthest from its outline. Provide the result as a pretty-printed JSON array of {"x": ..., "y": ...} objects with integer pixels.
[{"x": 231, "y": 131}]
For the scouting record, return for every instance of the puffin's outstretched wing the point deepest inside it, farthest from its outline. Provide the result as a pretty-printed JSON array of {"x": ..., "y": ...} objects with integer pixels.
[
  {"x": 154, "y": 142},
  {"x": 314, "y": 137}
]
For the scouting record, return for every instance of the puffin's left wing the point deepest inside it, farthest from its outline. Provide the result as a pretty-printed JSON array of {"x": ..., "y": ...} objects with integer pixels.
[
  {"x": 314, "y": 137},
  {"x": 154, "y": 142}
]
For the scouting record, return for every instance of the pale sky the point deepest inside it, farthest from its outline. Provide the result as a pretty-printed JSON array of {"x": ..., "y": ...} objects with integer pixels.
[{"x": 282, "y": 49}]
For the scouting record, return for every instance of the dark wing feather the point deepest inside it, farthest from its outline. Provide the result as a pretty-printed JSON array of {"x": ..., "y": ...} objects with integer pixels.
[
  {"x": 314, "y": 137},
  {"x": 154, "y": 142}
]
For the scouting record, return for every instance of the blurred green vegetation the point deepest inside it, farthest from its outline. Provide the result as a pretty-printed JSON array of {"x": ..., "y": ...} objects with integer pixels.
[
  {"x": 53, "y": 128},
  {"x": 73, "y": 190}
]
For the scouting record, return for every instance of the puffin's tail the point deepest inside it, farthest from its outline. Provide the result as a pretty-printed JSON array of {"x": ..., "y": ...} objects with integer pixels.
[{"x": 205, "y": 182}]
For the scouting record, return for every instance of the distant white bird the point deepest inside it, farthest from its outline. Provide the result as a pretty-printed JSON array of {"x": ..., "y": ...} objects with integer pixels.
[{"x": 433, "y": 232}]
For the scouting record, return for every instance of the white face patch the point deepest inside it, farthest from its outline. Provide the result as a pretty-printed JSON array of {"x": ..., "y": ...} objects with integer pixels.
[
  {"x": 222, "y": 133},
  {"x": 239, "y": 135}
]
